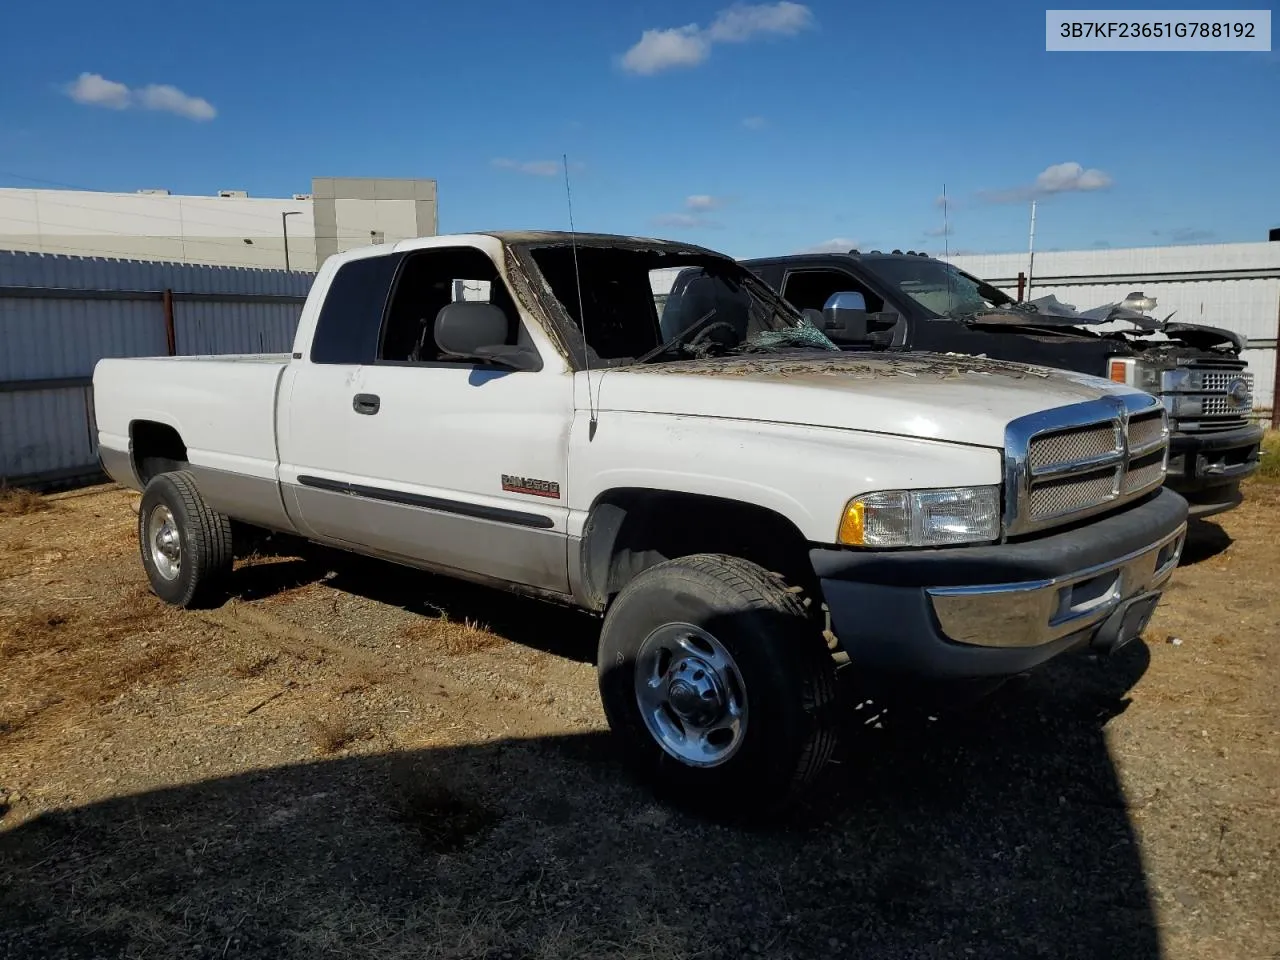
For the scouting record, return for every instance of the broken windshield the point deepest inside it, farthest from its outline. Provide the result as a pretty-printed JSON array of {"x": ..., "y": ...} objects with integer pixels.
[
  {"x": 938, "y": 287},
  {"x": 714, "y": 306}
]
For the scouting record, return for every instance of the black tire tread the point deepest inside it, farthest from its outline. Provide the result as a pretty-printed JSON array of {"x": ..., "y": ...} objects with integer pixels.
[
  {"x": 810, "y": 663},
  {"x": 762, "y": 588},
  {"x": 209, "y": 543}
]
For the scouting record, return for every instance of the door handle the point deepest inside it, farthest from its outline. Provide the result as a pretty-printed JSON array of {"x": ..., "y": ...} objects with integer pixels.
[{"x": 367, "y": 403}]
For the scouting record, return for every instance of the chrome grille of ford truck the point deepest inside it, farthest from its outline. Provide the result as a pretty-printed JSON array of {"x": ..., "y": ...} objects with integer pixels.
[
  {"x": 1071, "y": 462},
  {"x": 1208, "y": 396}
]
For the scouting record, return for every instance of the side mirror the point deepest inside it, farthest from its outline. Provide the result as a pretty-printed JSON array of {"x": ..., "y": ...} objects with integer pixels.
[
  {"x": 844, "y": 316},
  {"x": 472, "y": 329}
]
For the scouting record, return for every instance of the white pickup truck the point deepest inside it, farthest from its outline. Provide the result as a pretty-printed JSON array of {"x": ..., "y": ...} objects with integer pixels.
[{"x": 743, "y": 504}]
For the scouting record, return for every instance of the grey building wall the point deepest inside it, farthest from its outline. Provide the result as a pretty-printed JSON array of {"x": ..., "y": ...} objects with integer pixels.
[{"x": 357, "y": 211}]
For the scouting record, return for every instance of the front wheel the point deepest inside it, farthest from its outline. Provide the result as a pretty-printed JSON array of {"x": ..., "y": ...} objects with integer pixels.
[
  {"x": 717, "y": 684},
  {"x": 185, "y": 544}
]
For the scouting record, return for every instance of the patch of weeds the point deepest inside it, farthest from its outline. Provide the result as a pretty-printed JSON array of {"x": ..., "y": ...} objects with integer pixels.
[
  {"x": 361, "y": 677},
  {"x": 16, "y": 502},
  {"x": 1269, "y": 467},
  {"x": 31, "y": 631},
  {"x": 330, "y": 734},
  {"x": 248, "y": 667},
  {"x": 441, "y": 816},
  {"x": 452, "y": 637}
]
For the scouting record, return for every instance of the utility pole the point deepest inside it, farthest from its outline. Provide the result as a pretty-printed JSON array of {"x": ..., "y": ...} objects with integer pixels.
[
  {"x": 284, "y": 229},
  {"x": 1031, "y": 264}
]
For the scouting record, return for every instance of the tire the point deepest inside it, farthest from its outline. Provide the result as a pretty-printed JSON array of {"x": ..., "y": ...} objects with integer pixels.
[
  {"x": 191, "y": 567},
  {"x": 778, "y": 675}
]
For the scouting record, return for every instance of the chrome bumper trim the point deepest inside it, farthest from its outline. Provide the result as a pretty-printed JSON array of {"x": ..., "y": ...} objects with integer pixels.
[{"x": 1042, "y": 611}]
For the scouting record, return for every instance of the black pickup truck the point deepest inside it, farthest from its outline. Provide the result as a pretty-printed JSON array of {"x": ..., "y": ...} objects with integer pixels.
[{"x": 909, "y": 301}]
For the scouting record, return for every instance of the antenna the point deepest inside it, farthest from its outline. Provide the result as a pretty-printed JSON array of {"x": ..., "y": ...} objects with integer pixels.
[
  {"x": 946, "y": 226},
  {"x": 1031, "y": 250},
  {"x": 946, "y": 252},
  {"x": 582, "y": 319}
]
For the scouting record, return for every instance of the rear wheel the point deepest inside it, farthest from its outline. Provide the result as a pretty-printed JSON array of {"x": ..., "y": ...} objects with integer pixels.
[
  {"x": 185, "y": 544},
  {"x": 717, "y": 684}
]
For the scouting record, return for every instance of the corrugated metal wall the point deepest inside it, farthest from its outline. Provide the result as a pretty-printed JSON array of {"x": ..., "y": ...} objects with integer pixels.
[{"x": 60, "y": 315}]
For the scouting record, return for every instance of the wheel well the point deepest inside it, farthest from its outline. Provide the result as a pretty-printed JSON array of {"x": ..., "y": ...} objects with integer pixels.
[
  {"x": 630, "y": 530},
  {"x": 157, "y": 448}
]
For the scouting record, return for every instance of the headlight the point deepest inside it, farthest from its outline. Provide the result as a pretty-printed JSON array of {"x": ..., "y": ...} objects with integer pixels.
[
  {"x": 922, "y": 518},
  {"x": 1135, "y": 373}
]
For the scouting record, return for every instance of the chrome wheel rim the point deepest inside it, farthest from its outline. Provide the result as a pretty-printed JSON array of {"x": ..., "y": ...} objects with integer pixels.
[
  {"x": 691, "y": 695},
  {"x": 164, "y": 542}
]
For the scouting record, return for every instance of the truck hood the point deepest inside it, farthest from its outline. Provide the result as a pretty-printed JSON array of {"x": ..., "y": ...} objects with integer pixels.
[{"x": 935, "y": 396}]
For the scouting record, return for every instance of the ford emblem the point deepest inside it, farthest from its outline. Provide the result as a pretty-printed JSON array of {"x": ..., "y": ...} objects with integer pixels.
[{"x": 1238, "y": 391}]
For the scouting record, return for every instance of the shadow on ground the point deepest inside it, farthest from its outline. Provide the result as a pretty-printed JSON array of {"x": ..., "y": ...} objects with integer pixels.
[
  {"x": 1004, "y": 834},
  {"x": 558, "y": 630},
  {"x": 1205, "y": 540}
]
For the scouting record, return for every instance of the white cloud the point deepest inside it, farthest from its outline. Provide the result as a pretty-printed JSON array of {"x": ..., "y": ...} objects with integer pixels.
[
  {"x": 93, "y": 89},
  {"x": 755, "y": 123},
  {"x": 1068, "y": 177},
  {"x": 667, "y": 48},
  {"x": 834, "y": 245},
  {"x": 684, "y": 221},
  {"x": 741, "y": 22},
  {"x": 162, "y": 96},
  {"x": 534, "y": 168},
  {"x": 703, "y": 201},
  {"x": 659, "y": 50}
]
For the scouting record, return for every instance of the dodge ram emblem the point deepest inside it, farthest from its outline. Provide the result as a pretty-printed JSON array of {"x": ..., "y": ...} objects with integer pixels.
[{"x": 1238, "y": 391}]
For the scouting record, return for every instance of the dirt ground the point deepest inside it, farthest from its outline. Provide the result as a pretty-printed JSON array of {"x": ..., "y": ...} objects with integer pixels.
[{"x": 349, "y": 759}]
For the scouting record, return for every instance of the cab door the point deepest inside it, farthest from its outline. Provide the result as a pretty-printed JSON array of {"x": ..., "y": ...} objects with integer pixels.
[{"x": 395, "y": 450}]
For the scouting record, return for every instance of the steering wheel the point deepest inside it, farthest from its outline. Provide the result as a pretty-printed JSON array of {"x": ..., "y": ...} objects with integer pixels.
[{"x": 706, "y": 331}]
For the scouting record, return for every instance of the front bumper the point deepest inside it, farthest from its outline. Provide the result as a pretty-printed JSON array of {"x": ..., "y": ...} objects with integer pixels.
[
  {"x": 996, "y": 611},
  {"x": 1207, "y": 468}
]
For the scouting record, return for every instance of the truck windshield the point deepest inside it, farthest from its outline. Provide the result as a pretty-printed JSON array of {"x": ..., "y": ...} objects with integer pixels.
[
  {"x": 714, "y": 306},
  {"x": 938, "y": 287}
]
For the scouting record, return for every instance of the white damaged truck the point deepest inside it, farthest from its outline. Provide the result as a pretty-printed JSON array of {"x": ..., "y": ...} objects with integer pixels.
[{"x": 743, "y": 504}]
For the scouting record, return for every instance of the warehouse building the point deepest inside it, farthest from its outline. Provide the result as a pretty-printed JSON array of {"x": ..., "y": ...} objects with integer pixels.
[{"x": 228, "y": 229}]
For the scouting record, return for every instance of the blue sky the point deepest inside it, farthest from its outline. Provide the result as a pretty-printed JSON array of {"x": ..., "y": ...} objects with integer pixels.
[{"x": 754, "y": 129}]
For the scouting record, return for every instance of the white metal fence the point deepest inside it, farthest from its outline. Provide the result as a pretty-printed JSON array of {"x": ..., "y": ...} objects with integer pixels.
[
  {"x": 1235, "y": 286},
  {"x": 60, "y": 315}
]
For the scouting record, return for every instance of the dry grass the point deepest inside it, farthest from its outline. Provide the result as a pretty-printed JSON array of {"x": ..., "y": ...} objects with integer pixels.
[
  {"x": 65, "y": 659},
  {"x": 16, "y": 502},
  {"x": 252, "y": 665},
  {"x": 362, "y": 677},
  {"x": 451, "y": 637},
  {"x": 1269, "y": 469},
  {"x": 331, "y": 734}
]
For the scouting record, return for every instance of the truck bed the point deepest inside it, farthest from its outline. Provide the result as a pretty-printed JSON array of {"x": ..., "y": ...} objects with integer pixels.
[{"x": 223, "y": 408}]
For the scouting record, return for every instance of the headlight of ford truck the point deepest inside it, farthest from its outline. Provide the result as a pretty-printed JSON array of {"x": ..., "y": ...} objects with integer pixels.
[
  {"x": 1134, "y": 373},
  {"x": 922, "y": 518}
]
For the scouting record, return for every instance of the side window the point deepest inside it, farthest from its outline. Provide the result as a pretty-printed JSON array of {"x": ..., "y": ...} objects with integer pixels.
[
  {"x": 429, "y": 281},
  {"x": 351, "y": 315},
  {"x": 810, "y": 289}
]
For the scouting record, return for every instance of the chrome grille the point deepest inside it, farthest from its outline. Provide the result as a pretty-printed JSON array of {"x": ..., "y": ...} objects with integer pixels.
[
  {"x": 1146, "y": 432},
  {"x": 1147, "y": 473},
  {"x": 1057, "y": 497},
  {"x": 1218, "y": 381},
  {"x": 1224, "y": 406},
  {"x": 1202, "y": 398},
  {"x": 1067, "y": 463},
  {"x": 1070, "y": 445}
]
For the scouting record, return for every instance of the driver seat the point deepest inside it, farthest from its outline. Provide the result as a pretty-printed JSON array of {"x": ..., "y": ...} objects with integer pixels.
[{"x": 699, "y": 296}]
